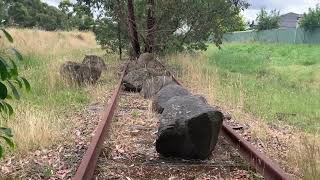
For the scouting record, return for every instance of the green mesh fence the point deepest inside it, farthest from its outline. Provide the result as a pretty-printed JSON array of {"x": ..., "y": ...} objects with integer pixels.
[{"x": 290, "y": 35}]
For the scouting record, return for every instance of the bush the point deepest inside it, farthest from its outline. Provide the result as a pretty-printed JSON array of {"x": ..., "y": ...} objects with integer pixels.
[
  {"x": 311, "y": 20},
  {"x": 268, "y": 21}
]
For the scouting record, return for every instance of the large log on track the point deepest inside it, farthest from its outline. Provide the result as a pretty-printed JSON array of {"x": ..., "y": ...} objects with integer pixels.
[
  {"x": 134, "y": 80},
  {"x": 153, "y": 85},
  {"x": 165, "y": 94},
  {"x": 189, "y": 128}
]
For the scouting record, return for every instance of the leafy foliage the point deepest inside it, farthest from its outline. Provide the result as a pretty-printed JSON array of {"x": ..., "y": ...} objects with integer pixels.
[
  {"x": 311, "y": 20},
  {"x": 180, "y": 25},
  {"x": 268, "y": 21},
  {"x": 10, "y": 82},
  {"x": 34, "y": 13}
]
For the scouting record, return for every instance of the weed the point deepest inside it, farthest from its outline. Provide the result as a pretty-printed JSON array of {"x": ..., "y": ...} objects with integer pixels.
[{"x": 135, "y": 113}]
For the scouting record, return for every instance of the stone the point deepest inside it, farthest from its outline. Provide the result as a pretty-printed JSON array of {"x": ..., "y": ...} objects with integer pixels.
[
  {"x": 165, "y": 94},
  {"x": 94, "y": 61},
  {"x": 134, "y": 80},
  {"x": 79, "y": 74},
  {"x": 153, "y": 85},
  {"x": 145, "y": 58},
  {"x": 189, "y": 128}
]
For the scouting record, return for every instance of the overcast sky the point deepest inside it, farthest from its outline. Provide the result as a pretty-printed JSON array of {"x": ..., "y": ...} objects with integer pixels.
[{"x": 285, "y": 6}]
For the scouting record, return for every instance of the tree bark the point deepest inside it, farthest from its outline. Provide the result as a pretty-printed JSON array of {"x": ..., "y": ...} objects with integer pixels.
[
  {"x": 119, "y": 13},
  {"x": 151, "y": 22},
  {"x": 133, "y": 30}
]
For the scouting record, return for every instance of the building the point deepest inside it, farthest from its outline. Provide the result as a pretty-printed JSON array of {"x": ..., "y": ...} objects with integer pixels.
[{"x": 289, "y": 20}]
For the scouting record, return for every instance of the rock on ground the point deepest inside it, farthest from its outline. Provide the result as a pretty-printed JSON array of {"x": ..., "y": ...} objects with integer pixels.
[
  {"x": 79, "y": 73},
  {"x": 94, "y": 61},
  {"x": 189, "y": 128},
  {"x": 153, "y": 85},
  {"x": 165, "y": 94},
  {"x": 147, "y": 60},
  {"x": 134, "y": 80}
]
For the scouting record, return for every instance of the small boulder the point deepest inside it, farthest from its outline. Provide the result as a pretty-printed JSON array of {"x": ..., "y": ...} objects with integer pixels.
[
  {"x": 145, "y": 58},
  {"x": 94, "y": 61},
  {"x": 165, "y": 94},
  {"x": 134, "y": 80},
  {"x": 153, "y": 85},
  {"x": 79, "y": 74},
  {"x": 90, "y": 74},
  {"x": 189, "y": 128}
]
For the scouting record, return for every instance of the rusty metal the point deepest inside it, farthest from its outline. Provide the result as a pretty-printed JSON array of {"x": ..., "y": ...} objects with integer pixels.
[
  {"x": 257, "y": 160},
  {"x": 88, "y": 164}
]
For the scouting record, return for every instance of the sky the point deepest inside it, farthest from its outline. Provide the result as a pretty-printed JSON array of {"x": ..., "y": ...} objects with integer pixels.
[{"x": 285, "y": 6}]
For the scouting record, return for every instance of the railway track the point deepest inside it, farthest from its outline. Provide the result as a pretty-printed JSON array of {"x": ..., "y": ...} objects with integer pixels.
[{"x": 233, "y": 156}]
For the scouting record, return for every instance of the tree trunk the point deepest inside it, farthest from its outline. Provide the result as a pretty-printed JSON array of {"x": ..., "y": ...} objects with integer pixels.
[
  {"x": 119, "y": 39},
  {"x": 133, "y": 30},
  {"x": 119, "y": 13},
  {"x": 151, "y": 22}
]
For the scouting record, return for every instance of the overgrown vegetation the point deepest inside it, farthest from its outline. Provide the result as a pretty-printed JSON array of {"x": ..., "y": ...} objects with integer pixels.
[
  {"x": 35, "y": 13},
  {"x": 271, "y": 88},
  {"x": 279, "y": 83},
  {"x": 311, "y": 20},
  {"x": 45, "y": 114},
  {"x": 268, "y": 20},
  {"x": 10, "y": 79}
]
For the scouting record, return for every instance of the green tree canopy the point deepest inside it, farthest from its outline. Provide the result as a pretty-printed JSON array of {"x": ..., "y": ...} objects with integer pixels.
[
  {"x": 180, "y": 25},
  {"x": 268, "y": 20},
  {"x": 34, "y": 13},
  {"x": 311, "y": 20}
]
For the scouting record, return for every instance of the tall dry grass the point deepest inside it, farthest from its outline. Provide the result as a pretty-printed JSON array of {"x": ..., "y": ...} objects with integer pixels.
[
  {"x": 298, "y": 152},
  {"x": 39, "y": 42},
  {"x": 42, "y": 116}
]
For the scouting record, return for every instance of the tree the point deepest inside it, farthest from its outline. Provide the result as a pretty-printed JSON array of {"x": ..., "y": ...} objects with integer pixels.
[
  {"x": 268, "y": 21},
  {"x": 238, "y": 25},
  {"x": 311, "y": 20},
  {"x": 132, "y": 26},
  {"x": 9, "y": 81},
  {"x": 151, "y": 27},
  {"x": 178, "y": 25}
]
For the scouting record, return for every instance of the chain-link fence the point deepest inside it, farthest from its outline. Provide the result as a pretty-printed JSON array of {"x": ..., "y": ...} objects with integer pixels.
[{"x": 288, "y": 35}]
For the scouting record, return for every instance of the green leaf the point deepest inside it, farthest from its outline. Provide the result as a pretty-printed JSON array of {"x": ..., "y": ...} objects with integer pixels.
[
  {"x": 9, "y": 108},
  {"x": 3, "y": 91},
  {"x": 14, "y": 69},
  {"x": 1, "y": 151},
  {"x": 17, "y": 53},
  {"x": 6, "y": 131},
  {"x": 8, "y": 141},
  {"x": 8, "y": 36},
  {"x": 14, "y": 90},
  {"x": 3, "y": 69},
  {"x": 26, "y": 83}
]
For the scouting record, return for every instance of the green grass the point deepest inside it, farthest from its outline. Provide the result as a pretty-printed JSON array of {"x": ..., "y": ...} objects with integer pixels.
[{"x": 278, "y": 82}]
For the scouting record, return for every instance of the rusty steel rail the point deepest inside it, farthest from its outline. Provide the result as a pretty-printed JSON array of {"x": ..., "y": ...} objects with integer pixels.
[
  {"x": 88, "y": 164},
  {"x": 257, "y": 160}
]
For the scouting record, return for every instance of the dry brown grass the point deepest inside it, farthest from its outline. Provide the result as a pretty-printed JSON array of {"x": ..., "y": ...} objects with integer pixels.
[
  {"x": 297, "y": 152},
  {"x": 39, "y": 42},
  {"x": 44, "y": 115}
]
